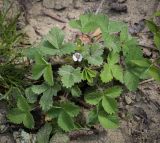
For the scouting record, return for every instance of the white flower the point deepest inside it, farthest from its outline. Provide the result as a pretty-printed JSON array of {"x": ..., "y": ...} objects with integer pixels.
[{"x": 77, "y": 57}]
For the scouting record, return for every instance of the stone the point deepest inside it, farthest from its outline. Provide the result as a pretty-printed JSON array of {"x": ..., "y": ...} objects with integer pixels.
[
  {"x": 115, "y": 136},
  {"x": 3, "y": 111},
  {"x": 57, "y": 4},
  {"x": 128, "y": 100},
  {"x": 6, "y": 138},
  {"x": 77, "y": 4},
  {"x": 30, "y": 33},
  {"x": 122, "y": 1}
]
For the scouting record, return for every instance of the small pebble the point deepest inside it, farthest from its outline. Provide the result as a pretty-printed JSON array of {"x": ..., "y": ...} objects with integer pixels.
[{"x": 128, "y": 100}]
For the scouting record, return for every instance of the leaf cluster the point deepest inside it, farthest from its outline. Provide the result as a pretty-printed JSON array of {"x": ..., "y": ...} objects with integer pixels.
[{"x": 115, "y": 57}]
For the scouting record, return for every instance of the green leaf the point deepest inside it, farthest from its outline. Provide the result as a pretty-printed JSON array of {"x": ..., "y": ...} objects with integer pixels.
[
  {"x": 46, "y": 100},
  {"x": 112, "y": 42},
  {"x": 108, "y": 121},
  {"x": 102, "y": 21},
  {"x": 38, "y": 71},
  {"x": 22, "y": 104},
  {"x": 69, "y": 75},
  {"x": 154, "y": 72},
  {"x": 88, "y": 23},
  {"x": 67, "y": 48},
  {"x": 113, "y": 58},
  {"x": 39, "y": 89},
  {"x": 65, "y": 122},
  {"x": 85, "y": 24},
  {"x": 92, "y": 117},
  {"x": 124, "y": 36},
  {"x": 55, "y": 37},
  {"x": 93, "y": 54},
  {"x": 134, "y": 54},
  {"x": 109, "y": 105},
  {"x": 44, "y": 133},
  {"x": 131, "y": 81},
  {"x": 54, "y": 112},
  {"x": 116, "y": 26},
  {"x": 157, "y": 13},
  {"x": 113, "y": 92},
  {"x": 152, "y": 26},
  {"x": 88, "y": 74},
  {"x": 75, "y": 91},
  {"x": 30, "y": 95},
  {"x": 72, "y": 109},
  {"x": 28, "y": 120},
  {"x": 157, "y": 40},
  {"x": 106, "y": 74},
  {"x": 39, "y": 67},
  {"x": 117, "y": 72},
  {"x": 75, "y": 24},
  {"x": 48, "y": 75},
  {"x": 16, "y": 116},
  {"x": 93, "y": 98}
]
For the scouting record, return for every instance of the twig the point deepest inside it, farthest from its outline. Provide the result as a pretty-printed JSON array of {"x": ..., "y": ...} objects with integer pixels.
[
  {"x": 53, "y": 16},
  {"x": 99, "y": 8},
  {"x": 148, "y": 47},
  {"x": 77, "y": 134},
  {"x": 146, "y": 81}
]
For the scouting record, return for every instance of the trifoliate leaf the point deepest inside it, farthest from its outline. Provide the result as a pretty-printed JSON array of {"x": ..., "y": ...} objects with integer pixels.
[
  {"x": 28, "y": 120},
  {"x": 109, "y": 105},
  {"x": 44, "y": 133},
  {"x": 93, "y": 98},
  {"x": 55, "y": 37},
  {"x": 108, "y": 121},
  {"x": 65, "y": 122},
  {"x": 57, "y": 47},
  {"x": 71, "y": 108},
  {"x": 69, "y": 75},
  {"x": 93, "y": 54},
  {"x": 113, "y": 92},
  {"x": 106, "y": 74},
  {"x": 75, "y": 91},
  {"x": 131, "y": 81}
]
